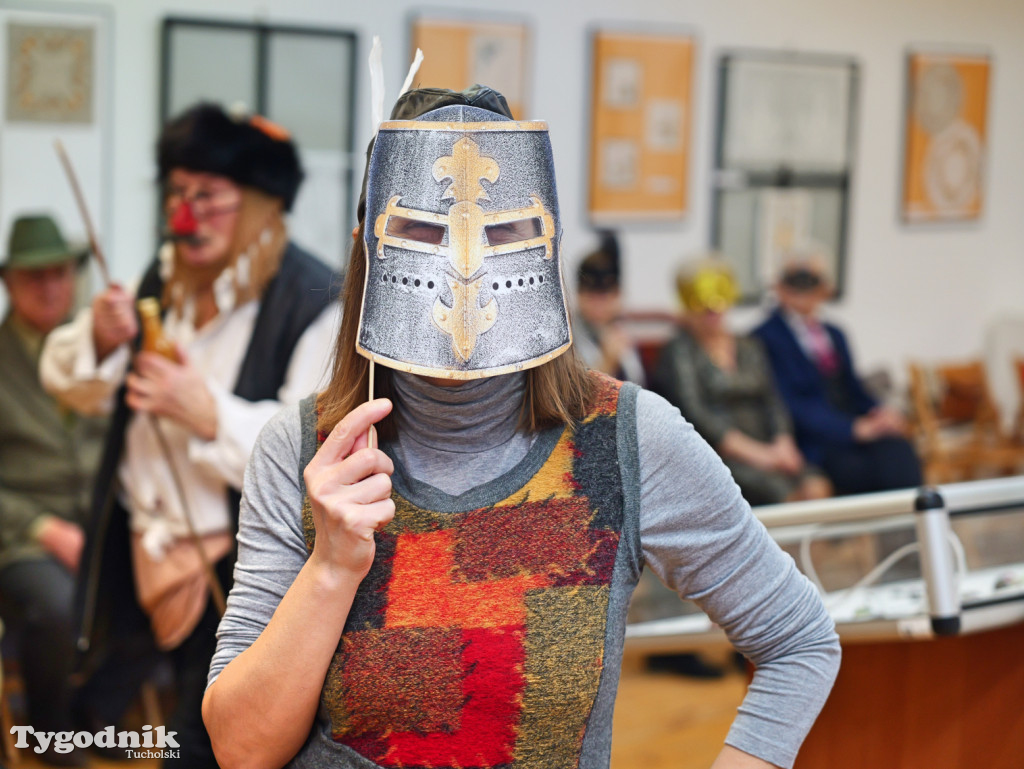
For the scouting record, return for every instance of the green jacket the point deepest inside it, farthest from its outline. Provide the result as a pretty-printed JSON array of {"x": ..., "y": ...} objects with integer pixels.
[{"x": 47, "y": 456}]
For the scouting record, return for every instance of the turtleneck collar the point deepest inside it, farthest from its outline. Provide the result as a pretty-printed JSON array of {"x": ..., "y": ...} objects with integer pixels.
[{"x": 468, "y": 418}]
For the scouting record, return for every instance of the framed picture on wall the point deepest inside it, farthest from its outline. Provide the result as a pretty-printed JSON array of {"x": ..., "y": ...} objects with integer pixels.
[
  {"x": 458, "y": 52},
  {"x": 641, "y": 104},
  {"x": 782, "y": 163},
  {"x": 50, "y": 73},
  {"x": 265, "y": 69},
  {"x": 946, "y": 140}
]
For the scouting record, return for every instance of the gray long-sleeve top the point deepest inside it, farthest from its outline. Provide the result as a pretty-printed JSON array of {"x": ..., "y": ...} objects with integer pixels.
[{"x": 696, "y": 532}]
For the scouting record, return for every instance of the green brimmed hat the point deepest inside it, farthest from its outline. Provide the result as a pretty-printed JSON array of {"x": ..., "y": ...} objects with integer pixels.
[{"x": 36, "y": 242}]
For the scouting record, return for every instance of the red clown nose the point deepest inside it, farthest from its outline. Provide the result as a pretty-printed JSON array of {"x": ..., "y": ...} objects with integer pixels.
[{"x": 182, "y": 220}]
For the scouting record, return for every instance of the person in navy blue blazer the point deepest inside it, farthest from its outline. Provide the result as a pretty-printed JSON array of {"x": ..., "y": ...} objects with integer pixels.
[{"x": 859, "y": 443}]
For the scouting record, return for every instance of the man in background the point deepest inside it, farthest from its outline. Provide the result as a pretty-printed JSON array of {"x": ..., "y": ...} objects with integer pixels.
[
  {"x": 48, "y": 457},
  {"x": 858, "y": 442},
  {"x": 253, "y": 321}
]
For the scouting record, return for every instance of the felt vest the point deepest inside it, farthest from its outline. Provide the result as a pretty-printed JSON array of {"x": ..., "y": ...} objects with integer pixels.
[{"x": 478, "y": 637}]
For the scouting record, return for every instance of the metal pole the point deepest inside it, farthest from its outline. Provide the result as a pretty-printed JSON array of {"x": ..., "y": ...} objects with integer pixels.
[{"x": 937, "y": 568}]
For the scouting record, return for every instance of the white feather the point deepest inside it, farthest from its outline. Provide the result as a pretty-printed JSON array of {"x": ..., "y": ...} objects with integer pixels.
[
  {"x": 413, "y": 69},
  {"x": 376, "y": 84}
]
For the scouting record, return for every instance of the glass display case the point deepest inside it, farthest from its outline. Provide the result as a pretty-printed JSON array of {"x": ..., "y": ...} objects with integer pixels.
[{"x": 904, "y": 564}]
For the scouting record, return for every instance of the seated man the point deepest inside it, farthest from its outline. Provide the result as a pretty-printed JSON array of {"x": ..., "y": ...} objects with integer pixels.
[
  {"x": 47, "y": 460},
  {"x": 839, "y": 427}
]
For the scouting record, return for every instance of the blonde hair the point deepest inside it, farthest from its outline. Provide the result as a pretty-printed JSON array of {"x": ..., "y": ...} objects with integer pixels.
[
  {"x": 706, "y": 283},
  {"x": 556, "y": 392}
]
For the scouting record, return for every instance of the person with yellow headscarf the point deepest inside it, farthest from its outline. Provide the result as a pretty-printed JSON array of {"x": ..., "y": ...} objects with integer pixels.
[{"x": 723, "y": 384}]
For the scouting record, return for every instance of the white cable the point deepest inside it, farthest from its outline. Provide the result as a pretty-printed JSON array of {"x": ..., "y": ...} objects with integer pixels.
[
  {"x": 873, "y": 576},
  {"x": 807, "y": 562},
  {"x": 887, "y": 563}
]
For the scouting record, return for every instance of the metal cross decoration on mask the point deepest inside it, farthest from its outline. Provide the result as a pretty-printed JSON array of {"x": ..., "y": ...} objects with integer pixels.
[{"x": 473, "y": 235}]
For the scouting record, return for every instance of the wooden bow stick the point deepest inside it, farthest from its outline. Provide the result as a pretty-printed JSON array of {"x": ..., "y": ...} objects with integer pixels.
[{"x": 94, "y": 243}]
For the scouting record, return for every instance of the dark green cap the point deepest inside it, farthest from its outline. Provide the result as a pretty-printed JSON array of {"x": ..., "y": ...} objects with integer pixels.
[{"x": 36, "y": 242}]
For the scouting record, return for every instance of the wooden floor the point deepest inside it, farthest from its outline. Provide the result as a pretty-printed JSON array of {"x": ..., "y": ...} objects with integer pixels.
[{"x": 666, "y": 721}]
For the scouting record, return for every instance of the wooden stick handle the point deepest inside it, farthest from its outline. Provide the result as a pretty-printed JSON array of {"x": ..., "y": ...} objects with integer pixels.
[{"x": 369, "y": 432}]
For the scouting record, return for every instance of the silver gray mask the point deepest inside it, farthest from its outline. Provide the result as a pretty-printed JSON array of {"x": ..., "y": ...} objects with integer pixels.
[{"x": 463, "y": 275}]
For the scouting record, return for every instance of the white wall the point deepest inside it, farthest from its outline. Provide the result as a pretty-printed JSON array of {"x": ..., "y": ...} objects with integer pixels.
[{"x": 925, "y": 291}]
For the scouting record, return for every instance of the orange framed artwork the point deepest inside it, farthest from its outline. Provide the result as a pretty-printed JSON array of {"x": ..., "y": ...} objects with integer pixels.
[
  {"x": 640, "y": 126},
  {"x": 946, "y": 141},
  {"x": 460, "y": 52}
]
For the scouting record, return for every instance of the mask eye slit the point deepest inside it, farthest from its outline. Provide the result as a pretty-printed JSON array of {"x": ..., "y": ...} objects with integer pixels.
[
  {"x": 513, "y": 232},
  {"x": 413, "y": 229}
]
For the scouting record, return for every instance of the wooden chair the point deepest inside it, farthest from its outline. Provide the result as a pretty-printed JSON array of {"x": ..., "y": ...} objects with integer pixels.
[
  {"x": 1018, "y": 423},
  {"x": 957, "y": 424}
]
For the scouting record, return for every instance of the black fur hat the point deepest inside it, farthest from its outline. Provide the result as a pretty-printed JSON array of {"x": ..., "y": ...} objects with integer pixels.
[{"x": 250, "y": 150}]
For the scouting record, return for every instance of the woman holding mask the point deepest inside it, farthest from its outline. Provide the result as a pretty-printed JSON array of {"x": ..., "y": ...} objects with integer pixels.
[{"x": 457, "y": 597}]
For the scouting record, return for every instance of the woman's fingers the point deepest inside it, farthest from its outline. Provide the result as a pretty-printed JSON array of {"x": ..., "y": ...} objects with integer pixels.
[
  {"x": 349, "y": 486},
  {"x": 360, "y": 519},
  {"x": 325, "y": 479},
  {"x": 347, "y": 434},
  {"x": 372, "y": 489},
  {"x": 375, "y": 517}
]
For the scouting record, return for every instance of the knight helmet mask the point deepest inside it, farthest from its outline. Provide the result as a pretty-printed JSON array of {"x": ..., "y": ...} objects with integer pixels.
[{"x": 463, "y": 276}]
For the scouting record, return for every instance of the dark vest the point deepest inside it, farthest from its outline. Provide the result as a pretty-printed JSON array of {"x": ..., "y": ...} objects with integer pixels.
[
  {"x": 293, "y": 299},
  {"x": 477, "y": 637}
]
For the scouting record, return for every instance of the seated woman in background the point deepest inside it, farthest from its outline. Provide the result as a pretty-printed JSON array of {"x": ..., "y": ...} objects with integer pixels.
[{"x": 723, "y": 384}]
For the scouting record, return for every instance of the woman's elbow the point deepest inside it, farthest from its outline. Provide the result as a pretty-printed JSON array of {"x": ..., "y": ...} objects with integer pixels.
[{"x": 230, "y": 747}]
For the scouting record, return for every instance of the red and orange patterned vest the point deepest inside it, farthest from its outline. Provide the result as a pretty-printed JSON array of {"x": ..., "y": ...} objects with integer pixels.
[{"x": 477, "y": 638}]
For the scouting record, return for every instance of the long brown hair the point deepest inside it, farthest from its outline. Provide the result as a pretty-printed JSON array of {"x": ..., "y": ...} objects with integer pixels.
[{"x": 556, "y": 392}]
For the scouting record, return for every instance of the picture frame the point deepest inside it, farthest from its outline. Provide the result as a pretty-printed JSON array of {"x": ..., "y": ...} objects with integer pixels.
[
  {"x": 795, "y": 114},
  {"x": 945, "y": 138},
  {"x": 641, "y": 108},
  {"x": 783, "y": 162},
  {"x": 50, "y": 73},
  {"x": 460, "y": 51}
]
